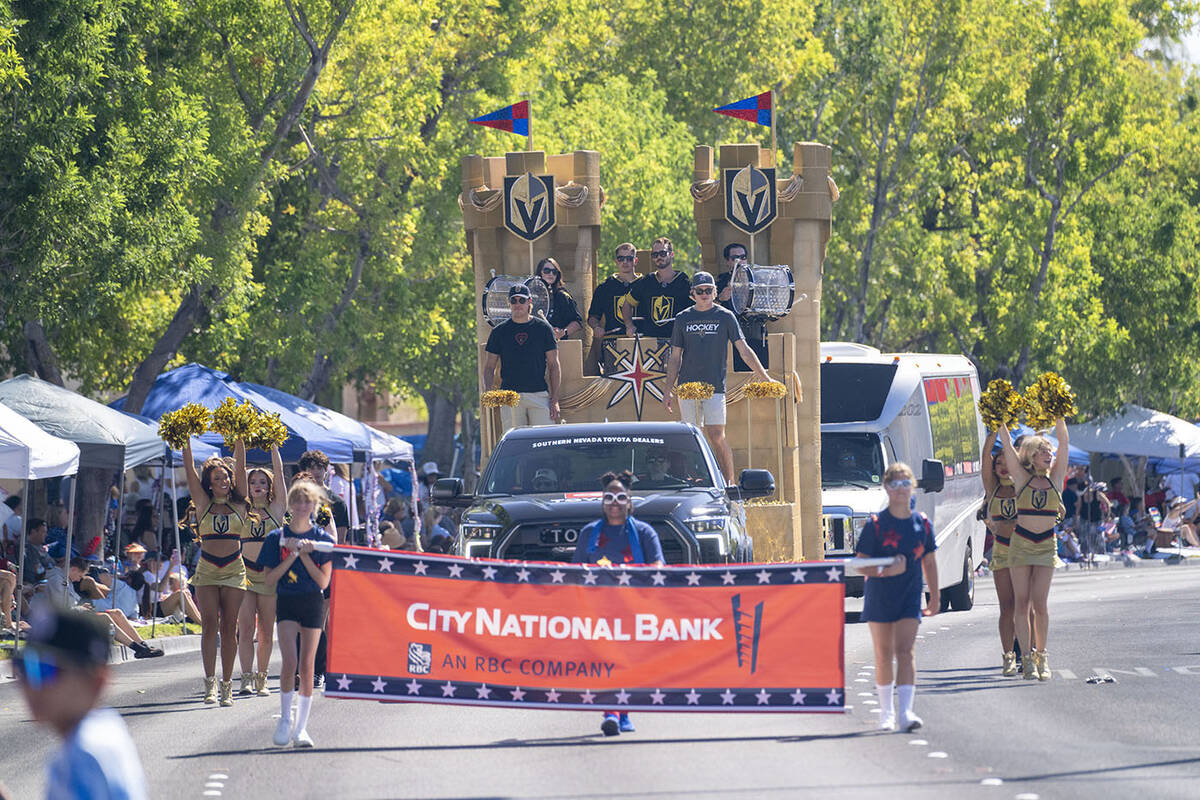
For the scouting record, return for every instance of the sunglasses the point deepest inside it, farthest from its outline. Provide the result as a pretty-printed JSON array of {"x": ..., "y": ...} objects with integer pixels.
[
  {"x": 903, "y": 483},
  {"x": 659, "y": 253},
  {"x": 706, "y": 290},
  {"x": 736, "y": 256},
  {"x": 626, "y": 258},
  {"x": 657, "y": 458},
  {"x": 619, "y": 497},
  {"x": 550, "y": 270},
  {"x": 519, "y": 300},
  {"x": 36, "y": 669}
]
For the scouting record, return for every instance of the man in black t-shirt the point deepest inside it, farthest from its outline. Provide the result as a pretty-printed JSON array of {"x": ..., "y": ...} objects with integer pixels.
[
  {"x": 657, "y": 297},
  {"x": 526, "y": 351},
  {"x": 604, "y": 314}
]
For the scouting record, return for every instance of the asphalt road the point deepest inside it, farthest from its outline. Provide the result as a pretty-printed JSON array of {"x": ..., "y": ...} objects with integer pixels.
[{"x": 985, "y": 736}]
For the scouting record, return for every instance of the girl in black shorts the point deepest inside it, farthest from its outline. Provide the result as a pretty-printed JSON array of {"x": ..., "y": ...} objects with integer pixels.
[{"x": 299, "y": 574}]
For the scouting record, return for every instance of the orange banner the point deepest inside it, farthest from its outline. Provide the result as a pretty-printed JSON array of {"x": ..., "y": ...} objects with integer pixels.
[{"x": 423, "y": 628}]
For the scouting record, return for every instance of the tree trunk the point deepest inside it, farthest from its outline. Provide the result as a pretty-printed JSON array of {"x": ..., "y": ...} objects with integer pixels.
[
  {"x": 39, "y": 355},
  {"x": 469, "y": 426},
  {"x": 439, "y": 441},
  {"x": 91, "y": 496},
  {"x": 164, "y": 350}
]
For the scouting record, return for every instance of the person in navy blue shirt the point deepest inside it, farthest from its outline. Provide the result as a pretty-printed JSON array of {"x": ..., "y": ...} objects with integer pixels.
[
  {"x": 618, "y": 538},
  {"x": 892, "y": 595},
  {"x": 300, "y": 573}
]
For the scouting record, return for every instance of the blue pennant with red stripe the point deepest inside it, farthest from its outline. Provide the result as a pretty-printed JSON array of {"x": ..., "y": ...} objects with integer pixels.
[
  {"x": 752, "y": 109},
  {"x": 514, "y": 119}
]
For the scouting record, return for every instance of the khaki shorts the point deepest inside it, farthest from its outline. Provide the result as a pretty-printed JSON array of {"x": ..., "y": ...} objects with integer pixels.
[
  {"x": 533, "y": 408},
  {"x": 703, "y": 412}
]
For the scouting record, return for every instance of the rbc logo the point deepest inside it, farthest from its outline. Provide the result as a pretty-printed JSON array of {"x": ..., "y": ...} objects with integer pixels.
[{"x": 420, "y": 658}]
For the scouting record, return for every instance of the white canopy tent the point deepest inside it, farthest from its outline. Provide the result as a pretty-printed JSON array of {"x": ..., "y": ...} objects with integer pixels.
[
  {"x": 27, "y": 453},
  {"x": 1138, "y": 431}
]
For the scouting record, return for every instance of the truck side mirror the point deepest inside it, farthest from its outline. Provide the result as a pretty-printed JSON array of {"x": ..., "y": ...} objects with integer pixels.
[
  {"x": 933, "y": 475},
  {"x": 448, "y": 489},
  {"x": 752, "y": 483}
]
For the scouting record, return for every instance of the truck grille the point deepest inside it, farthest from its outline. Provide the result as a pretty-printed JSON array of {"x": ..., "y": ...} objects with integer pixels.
[{"x": 557, "y": 541}]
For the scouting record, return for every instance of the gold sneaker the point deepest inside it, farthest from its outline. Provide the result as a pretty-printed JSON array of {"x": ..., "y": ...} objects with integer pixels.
[
  {"x": 210, "y": 690},
  {"x": 1042, "y": 664},
  {"x": 247, "y": 684},
  {"x": 1010, "y": 664},
  {"x": 227, "y": 693},
  {"x": 260, "y": 684},
  {"x": 1028, "y": 669}
]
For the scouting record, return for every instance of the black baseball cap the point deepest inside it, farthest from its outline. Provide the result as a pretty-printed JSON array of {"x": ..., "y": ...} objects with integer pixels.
[
  {"x": 78, "y": 636},
  {"x": 703, "y": 278},
  {"x": 517, "y": 290}
]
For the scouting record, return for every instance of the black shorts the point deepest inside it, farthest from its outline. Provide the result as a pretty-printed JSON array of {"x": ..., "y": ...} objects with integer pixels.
[{"x": 306, "y": 609}]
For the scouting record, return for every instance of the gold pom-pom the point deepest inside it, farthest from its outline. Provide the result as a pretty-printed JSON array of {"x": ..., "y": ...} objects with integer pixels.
[
  {"x": 234, "y": 421},
  {"x": 269, "y": 431},
  {"x": 1000, "y": 405},
  {"x": 176, "y": 427},
  {"x": 1047, "y": 399},
  {"x": 766, "y": 390},
  {"x": 499, "y": 397},
  {"x": 694, "y": 390}
]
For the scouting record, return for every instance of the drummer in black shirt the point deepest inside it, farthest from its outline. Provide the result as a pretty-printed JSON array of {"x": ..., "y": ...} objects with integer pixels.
[
  {"x": 753, "y": 328},
  {"x": 604, "y": 314},
  {"x": 564, "y": 315},
  {"x": 658, "y": 297}
]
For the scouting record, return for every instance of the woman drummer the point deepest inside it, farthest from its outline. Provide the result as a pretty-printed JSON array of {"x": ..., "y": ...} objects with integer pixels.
[
  {"x": 266, "y": 492},
  {"x": 220, "y": 576},
  {"x": 563, "y": 314},
  {"x": 1040, "y": 471}
]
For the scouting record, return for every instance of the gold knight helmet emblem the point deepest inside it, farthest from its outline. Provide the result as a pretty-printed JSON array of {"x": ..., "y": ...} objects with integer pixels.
[
  {"x": 529, "y": 205},
  {"x": 662, "y": 309},
  {"x": 750, "y": 202}
]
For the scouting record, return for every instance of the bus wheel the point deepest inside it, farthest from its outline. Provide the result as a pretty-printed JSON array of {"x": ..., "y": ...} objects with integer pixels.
[{"x": 961, "y": 596}]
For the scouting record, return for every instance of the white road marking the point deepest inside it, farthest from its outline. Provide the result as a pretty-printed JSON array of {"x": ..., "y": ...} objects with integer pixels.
[
  {"x": 221, "y": 776},
  {"x": 212, "y": 793},
  {"x": 937, "y": 754},
  {"x": 866, "y": 694},
  {"x": 991, "y": 782},
  {"x": 870, "y": 702},
  {"x": 214, "y": 785},
  {"x": 1027, "y": 796},
  {"x": 918, "y": 742}
]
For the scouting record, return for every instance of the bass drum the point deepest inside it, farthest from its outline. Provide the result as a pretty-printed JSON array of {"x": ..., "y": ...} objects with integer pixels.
[
  {"x": 495, "y": 297},
  {"x": 762, "y": 291}
]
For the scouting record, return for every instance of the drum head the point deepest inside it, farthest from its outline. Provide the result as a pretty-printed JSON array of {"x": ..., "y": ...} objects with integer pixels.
[
  {"x": 762, "y": 290},
  {"x": 495, "y": 297}
]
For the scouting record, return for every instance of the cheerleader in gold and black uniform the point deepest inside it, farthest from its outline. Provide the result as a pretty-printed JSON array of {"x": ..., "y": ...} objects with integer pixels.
[
  {"x": 1039, "y": 471},
  {"x": 1001, "y": 517},
  {"x": 220, "y": 577},
  {"x": 265, "y": 492},
  {"x": 563, "y": 315}
]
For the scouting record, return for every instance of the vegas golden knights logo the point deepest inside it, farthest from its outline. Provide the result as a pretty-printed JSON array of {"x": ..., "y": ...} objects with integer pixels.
[
  {"x": 1008, "y": 506},
  {"x": 220, "y": 523},
  {"x": 662, "y": 309},
  {"x": 750, "y": 203},
  {"x": 1039, "y": 498},
  {"x": 529, "y": 205}
]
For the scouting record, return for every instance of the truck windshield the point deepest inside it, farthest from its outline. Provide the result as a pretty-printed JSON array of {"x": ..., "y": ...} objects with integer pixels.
[
  {"x": 851, "y": 459},
  {"x": 575, "y": 464}
]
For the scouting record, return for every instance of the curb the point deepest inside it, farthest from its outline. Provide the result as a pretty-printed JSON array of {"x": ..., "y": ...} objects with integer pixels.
[
  {"x": 171, "y": 645},
  {"x": 1115, "y": 563}
]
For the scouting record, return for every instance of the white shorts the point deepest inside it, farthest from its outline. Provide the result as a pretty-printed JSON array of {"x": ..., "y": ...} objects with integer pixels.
[
  {"x": 703, "y": 412},
  {"x": 533, "y": 408}
]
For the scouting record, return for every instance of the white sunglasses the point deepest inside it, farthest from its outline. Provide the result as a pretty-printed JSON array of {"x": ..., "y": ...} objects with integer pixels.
[
  {"x": 903, "y": 483},
  {"x": 619, "y": 497}
]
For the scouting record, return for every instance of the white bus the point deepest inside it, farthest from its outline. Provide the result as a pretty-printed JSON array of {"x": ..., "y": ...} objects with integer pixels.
[{"x": 922, "y": 409}]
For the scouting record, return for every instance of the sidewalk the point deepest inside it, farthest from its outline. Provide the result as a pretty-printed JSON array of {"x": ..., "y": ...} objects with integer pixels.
[{"x": 1173, "y": 557}]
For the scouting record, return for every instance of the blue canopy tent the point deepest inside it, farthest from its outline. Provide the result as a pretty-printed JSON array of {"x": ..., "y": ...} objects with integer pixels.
[{"x": 195, "y": 383}]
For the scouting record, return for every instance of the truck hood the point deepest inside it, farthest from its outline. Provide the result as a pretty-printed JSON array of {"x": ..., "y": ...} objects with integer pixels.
[
  {"x": 860, "y": 501},
  {"x": 551, "y": 507}
]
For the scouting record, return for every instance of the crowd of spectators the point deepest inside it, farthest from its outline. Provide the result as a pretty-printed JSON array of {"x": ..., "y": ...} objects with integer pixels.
[
  {"x": 1101, "y": 518},
  {"x": 144, "y": 576}
]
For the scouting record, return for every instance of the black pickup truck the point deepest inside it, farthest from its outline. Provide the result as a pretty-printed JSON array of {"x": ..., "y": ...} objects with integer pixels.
[{"x": 541, "y": 486}]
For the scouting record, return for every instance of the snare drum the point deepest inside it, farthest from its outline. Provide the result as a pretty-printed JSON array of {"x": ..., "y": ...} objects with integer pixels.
[
  {"x": 495, "y": 297},
  {"x": 762, "y": 291}
]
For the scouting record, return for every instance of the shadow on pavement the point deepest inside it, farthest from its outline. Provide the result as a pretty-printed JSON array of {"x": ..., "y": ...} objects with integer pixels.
[{"x": 570, "y": 741}]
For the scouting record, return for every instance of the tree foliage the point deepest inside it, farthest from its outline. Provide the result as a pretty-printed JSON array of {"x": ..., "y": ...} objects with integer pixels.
[{"x": 268, "y": 186}]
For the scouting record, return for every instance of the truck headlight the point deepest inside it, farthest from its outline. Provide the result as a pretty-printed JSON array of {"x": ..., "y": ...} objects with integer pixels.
[
  {"x": 480, "y": 531},
  {"x": 708, "y": 524}
]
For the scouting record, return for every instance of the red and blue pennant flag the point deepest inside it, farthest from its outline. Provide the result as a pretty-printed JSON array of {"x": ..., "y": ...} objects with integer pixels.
[
  {"x": 514, "y": 119},
  {"x": 752, "y": 109}
]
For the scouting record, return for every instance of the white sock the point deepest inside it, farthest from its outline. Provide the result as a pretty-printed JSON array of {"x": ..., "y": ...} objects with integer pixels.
[
  {"x": 302, "y": 713},
  {"x": 906, "y": 692},
  {"x": 884, "y": 692},
  {"x": 285, "y": 704}
]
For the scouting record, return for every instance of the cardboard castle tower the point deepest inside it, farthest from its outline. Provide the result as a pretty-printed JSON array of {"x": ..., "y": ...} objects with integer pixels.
[{"x": 523, "y": 206}]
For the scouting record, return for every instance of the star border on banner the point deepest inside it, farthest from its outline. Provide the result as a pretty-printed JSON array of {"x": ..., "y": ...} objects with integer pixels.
[
  {"x": 587, "y": 697},
  {"x": 656, "y": 697},
  {"x": 379, "y": 684},
  {"x": 420, "y": 568},
  {"x": 557, "y": 576},
  {"x": 798, "y": 697},
  {"x": 763, "y": 576},
  {"x": 455, "y": 570},
  {"x": 343, "y": 684},
  {"x": 727, "y": 697},
  {"x": 693, "y": 698},
  {"x": 518, "y": 694},
  {"x": 623, "y": 697},
  {"x": 523, "y": 575},
  {"x": 448, "y": 689},
  {"x": 489, "y": 573},
  {"x": 728, "y": 578},
  {"x": 385, "y": 565},
  {"x": 764, "y": 697},
  {"x": 693, "y": 578},
  {"x": 659, "y": 579},
  {"x": 413, "y": 687},
  {"x": 350, "y": 561},
  {"x": 833, "y": 696}
]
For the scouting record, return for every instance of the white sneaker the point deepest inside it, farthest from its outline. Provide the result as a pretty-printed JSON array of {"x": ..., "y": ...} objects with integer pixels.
[
  {"x": 283, "y": 732},
  {"x": 910, "y": 722},
  {"x": 302, "y": 739},
  {"x": 887, "y": 723}
]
